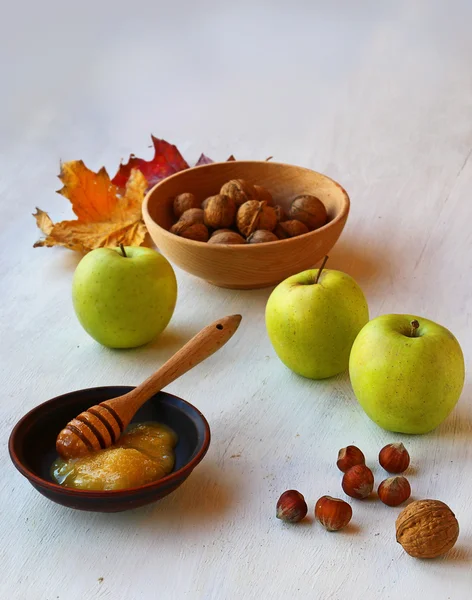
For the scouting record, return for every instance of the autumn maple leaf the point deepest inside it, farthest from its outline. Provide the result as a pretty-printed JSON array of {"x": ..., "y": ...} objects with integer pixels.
[{"x": 107, "y": 216}]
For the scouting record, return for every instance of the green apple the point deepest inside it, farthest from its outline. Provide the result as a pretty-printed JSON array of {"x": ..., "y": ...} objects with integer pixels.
[
  {"x": 124, "y": 297},
  {"x": 407, "y": 372},
  {"x": 313, "y": 319}
]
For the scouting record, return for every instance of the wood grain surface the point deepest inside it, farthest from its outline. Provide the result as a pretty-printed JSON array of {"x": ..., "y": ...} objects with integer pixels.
[{"x": 377, "y": 95}]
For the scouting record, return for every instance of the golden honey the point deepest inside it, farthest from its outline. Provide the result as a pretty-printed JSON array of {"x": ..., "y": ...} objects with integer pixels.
[{"x": 143, "y": 454}]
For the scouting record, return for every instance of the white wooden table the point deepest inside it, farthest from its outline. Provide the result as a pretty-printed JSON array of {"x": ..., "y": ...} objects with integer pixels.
[{"x": 376, "y": 95}]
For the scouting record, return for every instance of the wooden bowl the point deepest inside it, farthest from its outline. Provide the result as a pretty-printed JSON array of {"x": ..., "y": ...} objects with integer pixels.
[
  {"x": 32, "y": 447},
  {"x": 246, "y": 266}
]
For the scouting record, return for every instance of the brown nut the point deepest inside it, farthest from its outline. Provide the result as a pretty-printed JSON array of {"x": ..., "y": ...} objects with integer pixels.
[
  {"x": 333, "y": 513},
  {"x": 394, "y": 490},
  {"x": 239, "y": 190},
  {"x": 254, "y": 215},
  {"x": 358, "y": 482},
  {"x": 394, "y": 458},
  {"x": 192, "y": 216},
  {"x": 348, "y": 457},
  {"x": 427, "y": 528},
  {"x": 280, "y": 213},
  {"x": 219, "y": 211},
  {"x": 291, "y": 507},
  {"x": 261, "y": 236},
  {"x": 263, "y": 195},
  {"x": 227, "y": 237},
  {"x": 184, "y": 202},
  {"x": 309, "y": 210},
  {"x": 289, "y": 229},
  {"x": 218, "y": 231},
  {"x": 197, "y": 231}
]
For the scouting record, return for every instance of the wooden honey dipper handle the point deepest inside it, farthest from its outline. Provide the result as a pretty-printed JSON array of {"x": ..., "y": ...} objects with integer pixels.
[{"x": 101, "y": 425}]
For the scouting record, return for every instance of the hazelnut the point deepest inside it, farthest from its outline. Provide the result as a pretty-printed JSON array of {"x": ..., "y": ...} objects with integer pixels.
[
  {"x": 219, "y": 211},
  {"x": 254, "y": 215},
  {"x": 193, "y": 216},
  {"x": 309, "y": 210},
  {"x": 239, "y": 190},
  {"x": 348, "y": 457},
  {"x": 394, "y": 458},
  {"x": 263, "y": 195},
  {"x": 358, "y": 482},
  {"x": 197, "y": 231},
  {"x": 291, "y": 507},
  {"x": 184, "y": 202},
  {"x": 289, "y": 229},
  {"x": 280, "y": 213},
  {"x": 333, "y": 513},
  {"x": 394, "y": 490},
  {"x": 227, "y": 237},
  {"x": 261, "y": 236},
  {"x": 427, "y": 528}
]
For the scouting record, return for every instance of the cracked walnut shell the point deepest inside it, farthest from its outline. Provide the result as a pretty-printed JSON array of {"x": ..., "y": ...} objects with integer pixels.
[
  {"x": 427, "y": 528},
  {"x": 254, "y": 215}
]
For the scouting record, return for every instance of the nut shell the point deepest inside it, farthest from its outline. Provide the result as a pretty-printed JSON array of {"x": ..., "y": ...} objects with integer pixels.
[
  {"x": 263, "y": 195},
  {"x": 261, "y": 236},
  {"x": 349, "y": 457},
  {"x": 309, "y": 210},
  {"x": 291, "y": 507},
  {"x": 394, "y": 490},
  {"x": 219, "y": 211},
  {"x": 226, "y": 237},
  {"x": 289, "y": 229},
  {"x": 358, "y": 482},
  {"x": 197, "y": 232},
  {"x": 193, "y": 216},
  {"x": 280, "y": 213},
  {"x": 184, "y": 202},
  {"x": 239, "y": 190},
  {"x": 333, "y": 513},
  {"x": 394, "y": 458},
  {"x": 427, "y": 528},
  {"x": 254, "y": 215}
]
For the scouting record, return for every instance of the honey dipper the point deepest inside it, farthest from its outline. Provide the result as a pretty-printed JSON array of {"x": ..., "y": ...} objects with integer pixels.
[{"x": 101, "y": 425}]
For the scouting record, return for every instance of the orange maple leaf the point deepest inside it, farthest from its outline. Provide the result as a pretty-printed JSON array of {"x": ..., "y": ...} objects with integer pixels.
[{"x": 107, "y": 216}]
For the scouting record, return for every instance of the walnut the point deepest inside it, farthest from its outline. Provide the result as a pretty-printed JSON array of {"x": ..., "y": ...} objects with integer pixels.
[
  {"x": 280, "y": 213},
  {"x": 183, "y": 202},
  {"x": 261, "y": 236},
  {"x": 227, "y": 237},
  {"x": 309, "y": 210},
  {"x": 254, "y": 215},
  {"x": 289, "y": 229},
  {"x": 427, "y": 528},
  {"x": 239, "y": 190},
  {"x": 191, "y": 231},
  {"x": 218, "y": 231},
  {"x": 263, "y": 195},
  {"x": 192, "y": 216},
  {"x": 219, "y": 211}
]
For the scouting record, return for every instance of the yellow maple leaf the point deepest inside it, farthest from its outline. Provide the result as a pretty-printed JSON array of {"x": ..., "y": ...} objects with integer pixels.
[{"x": 107, "y": 216}]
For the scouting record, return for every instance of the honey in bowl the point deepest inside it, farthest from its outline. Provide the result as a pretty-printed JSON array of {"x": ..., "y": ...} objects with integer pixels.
[{"x": 144, "y": 453}]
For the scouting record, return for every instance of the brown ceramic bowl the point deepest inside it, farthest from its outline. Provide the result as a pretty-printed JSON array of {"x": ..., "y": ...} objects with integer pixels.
[
  {"x": 32, "y": 447},
  {"x": 246, "y": 266}
]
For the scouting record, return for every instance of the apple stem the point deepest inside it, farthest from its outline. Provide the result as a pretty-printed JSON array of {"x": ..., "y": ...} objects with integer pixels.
[
  {"x": 321, "y": 268},
  {"x": 414, "y": 326},
  {"x": 123, "y": 250}
]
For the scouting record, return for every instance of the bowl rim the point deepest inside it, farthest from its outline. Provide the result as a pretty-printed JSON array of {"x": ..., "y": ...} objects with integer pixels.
[
  {"x": 173, "y": 476},
  {"x": 341, "y": 215}
]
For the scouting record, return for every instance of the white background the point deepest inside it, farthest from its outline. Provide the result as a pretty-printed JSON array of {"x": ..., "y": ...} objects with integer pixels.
[{"x": 378, "y": 95}]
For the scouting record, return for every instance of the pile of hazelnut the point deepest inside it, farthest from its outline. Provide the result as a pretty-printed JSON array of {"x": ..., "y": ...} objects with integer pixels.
[
  {"x": 425, "y": 528},
  {"x": 243, "y": 213}
]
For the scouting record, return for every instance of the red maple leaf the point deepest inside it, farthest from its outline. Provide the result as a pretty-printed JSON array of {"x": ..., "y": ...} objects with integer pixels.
[{"x": 167, "y": 161}]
